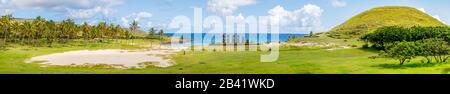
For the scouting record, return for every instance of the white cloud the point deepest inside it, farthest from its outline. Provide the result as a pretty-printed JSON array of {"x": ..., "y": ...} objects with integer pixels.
[
  {"x": 5, "y": 11},
  {"x": 338, "y": 3},
  {"x": 88, "y": 13},
  {"x": 422, "y": 9},
  {"x": 78, "y": 9},
  {"x": 227, "y": 7},
  {"x": 142, "y": 17},
  {"x": 311, "y": 9},
  {"x": 437, "y": 17},
  {"x": 301, "y": 20}
]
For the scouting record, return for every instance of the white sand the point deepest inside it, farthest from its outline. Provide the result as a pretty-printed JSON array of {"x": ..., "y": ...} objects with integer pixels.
[{"x": 127, "y": 58}]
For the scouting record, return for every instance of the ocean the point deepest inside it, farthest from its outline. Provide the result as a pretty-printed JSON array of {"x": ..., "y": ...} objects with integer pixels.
[{"x": 243, "y": 37}]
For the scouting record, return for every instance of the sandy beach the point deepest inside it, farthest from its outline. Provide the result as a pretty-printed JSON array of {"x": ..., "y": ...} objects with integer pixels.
[{"x": 127, "y": 58}]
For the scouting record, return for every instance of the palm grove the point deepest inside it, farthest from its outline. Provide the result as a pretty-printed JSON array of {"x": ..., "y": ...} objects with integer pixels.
[
  {"x": 404, "y": 44},
  {"x": 40, "y": 32}
]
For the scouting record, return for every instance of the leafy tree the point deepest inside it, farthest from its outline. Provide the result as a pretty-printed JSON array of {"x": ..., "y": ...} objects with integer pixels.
[
  {"x": 402, "y": 51},
  {"x": 388, "y": 35},
  {"x": 437, "y": 48}
]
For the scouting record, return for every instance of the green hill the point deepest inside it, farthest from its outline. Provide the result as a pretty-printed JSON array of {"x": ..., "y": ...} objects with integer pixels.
[{"x": 380, "y": 17}]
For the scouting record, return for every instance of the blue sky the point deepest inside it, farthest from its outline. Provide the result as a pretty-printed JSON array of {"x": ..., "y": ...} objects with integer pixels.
[{"x": 317, "y": 15}]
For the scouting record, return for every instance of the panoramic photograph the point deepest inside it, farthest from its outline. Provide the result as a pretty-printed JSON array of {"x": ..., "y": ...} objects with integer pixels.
[{"x": 224, "y": 37}]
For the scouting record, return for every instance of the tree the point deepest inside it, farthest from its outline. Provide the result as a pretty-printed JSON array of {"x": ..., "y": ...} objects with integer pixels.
[
  {"x": 161, "y": 34},
  {"x": 38, "y": 28},
  {"x": 117, "y": 31},
  {"x": 181, "y": 41},
  {"x": 5, "y": 24},
  {"x": 134, "y": 26},
  {"x": 391, "y": 34},
  {"x": 438, "y": 48},
  {"x": 402, "y": 51},
  {"x": 224, "y": 40},
  {"x": 102, "y": 30},
  {"x": 27, "y": 32},
  {"x": 49, "y": 32},
  {"x": 434, "y": 47},
  {"x": 85, "y": 29},
  {"x": 151, "y": 32},
  {"x": 39, "y": 31}
]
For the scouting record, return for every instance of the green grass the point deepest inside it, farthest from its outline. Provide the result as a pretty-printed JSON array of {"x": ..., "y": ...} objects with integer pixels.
[
  {"x": 383, "y": 16},
  {"x": 302, "y": 61},
  {"x": 299, "y": 60}
]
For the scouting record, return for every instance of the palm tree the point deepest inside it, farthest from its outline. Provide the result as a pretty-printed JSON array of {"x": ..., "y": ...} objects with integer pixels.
[
  {"x": 85, "y": 28},
  {"x": 38, "y": 27},
  {"x": 26, "y": 29},
  {"x": 42, "y": 31},
  {"x": 134, "y": 26},
  {"x": 161, "y": 34},
  {"x": 117, "y": 31},
  {"x": 151, "y": 32},
  {"x": 70, "y": 29},
  {"x": 102, "y": 29},
  {"x": 15, "y": 32},
  {"x": 5, "y": 23},
  {"x": 49, "y": 33}
]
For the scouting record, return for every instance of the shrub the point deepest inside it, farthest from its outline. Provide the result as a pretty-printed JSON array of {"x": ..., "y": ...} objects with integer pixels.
[
  {"x": 427, "y": 48},
  {"x": 365, "y": 46},
  {"x": 401, "y": 50},
  {"x": 391, "y": 34}
]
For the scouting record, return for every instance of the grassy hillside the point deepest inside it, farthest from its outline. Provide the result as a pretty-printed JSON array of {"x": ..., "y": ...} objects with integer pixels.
[{"x": 383, "y": 16}]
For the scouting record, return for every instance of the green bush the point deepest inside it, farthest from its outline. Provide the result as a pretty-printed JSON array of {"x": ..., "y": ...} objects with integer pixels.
[
  {"x": 391, "y": 34},
  {"x": 427, "y": 48}
]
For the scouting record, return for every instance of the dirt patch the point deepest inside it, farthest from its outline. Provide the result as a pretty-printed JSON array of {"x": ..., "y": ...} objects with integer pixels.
[{"x": 127, "y": 58}]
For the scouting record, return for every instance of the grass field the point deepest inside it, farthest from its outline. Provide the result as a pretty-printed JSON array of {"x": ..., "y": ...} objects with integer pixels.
[{"x": 293, "y": 60}]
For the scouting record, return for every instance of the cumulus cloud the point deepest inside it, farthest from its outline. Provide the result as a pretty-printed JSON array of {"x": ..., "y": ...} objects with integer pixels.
[
  {"x": 5, "y": 11},
  {"x": 437, "y": 17},
  {"x": 78, "y": 9},
  {"x": 88, "y": 13},
  {"x": 338, "y": 3},
  {"x": 142, "y": 17},
  {"x": 227, "y": 7},
  {"x": 422, "y": 9},
  {"x": 305, "y": 19}
]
